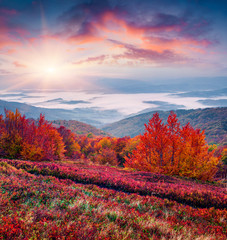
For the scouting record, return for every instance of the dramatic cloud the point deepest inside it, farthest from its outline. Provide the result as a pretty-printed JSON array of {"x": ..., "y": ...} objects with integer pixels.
[
  {"x": 156, "y": 37},
  {"x": 46, "y": 41},
  {"x": 140, "y": 55}
]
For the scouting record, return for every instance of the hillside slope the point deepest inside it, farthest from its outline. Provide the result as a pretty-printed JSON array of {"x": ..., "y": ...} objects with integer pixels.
[
  {"x": 79, "y": 128},
  {"x": 212, "y": 120},
  {"x": 41, "y": 200}
]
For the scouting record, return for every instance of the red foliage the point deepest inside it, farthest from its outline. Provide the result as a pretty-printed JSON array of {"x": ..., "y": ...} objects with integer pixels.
[
  {"x": 21, "y": 138},
  {"x": 173, "y": 150},
  {"x": 197, "y": 195},
  {"x": 71, "y": 146},
  {"x": 45, "y": 207},
  {"x": 39, "y": 140}
]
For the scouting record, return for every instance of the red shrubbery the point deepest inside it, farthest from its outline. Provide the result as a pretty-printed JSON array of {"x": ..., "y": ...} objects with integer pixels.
[
  {"x": 197, "y": 195},
  {"x": 45, "y": 207}
]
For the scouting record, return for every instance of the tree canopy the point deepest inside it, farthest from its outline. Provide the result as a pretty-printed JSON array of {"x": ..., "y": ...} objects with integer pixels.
[{"x": 173, "y": 149}]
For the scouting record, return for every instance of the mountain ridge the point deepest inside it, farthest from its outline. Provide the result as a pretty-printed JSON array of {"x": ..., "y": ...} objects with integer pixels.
[
  {"x": 93, "y": 116},
  {"x": 212, "y": 120},
  {"x": 79, "y": 128}
]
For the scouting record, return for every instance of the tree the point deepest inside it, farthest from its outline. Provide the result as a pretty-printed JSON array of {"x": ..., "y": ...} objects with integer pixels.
[
  {"x": 72, "y": 148},
  {"x": 171, "y": 149},
  {"x": 22, "y": 138},
  {"x": 196, "y": 160},
  {"x": 174, "y": 138},
  {"x": 119, "y": 146},
  {"x": 13, "y": 128},
  {"x": 155, "y": 141}
]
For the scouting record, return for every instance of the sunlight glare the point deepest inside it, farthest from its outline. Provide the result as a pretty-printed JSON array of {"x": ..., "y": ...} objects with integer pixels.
[{"x": 51, "y": 70}]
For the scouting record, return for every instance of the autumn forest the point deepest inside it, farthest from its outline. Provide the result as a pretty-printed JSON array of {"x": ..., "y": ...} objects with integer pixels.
[{"x": 163, "y": 184}]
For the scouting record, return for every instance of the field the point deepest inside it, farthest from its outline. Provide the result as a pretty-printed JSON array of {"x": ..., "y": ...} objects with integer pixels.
[{"x": 41, "y": 200}]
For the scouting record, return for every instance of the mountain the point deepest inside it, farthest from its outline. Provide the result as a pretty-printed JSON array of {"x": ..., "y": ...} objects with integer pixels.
[
  {"x": 212, "y": 120},
  {"x": 192, "y": 86},
  {"x": 93, "y": 116},
  {"x": 204, "y": 94},
  {"x": 79, "y": 128}
]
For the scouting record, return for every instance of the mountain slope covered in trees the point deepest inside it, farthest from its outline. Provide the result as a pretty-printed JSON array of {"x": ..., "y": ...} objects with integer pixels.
[
  {"x": 212, "y": 120},
  {"x": 54, "y": 115},
  {"x": 79, "y": 128}
]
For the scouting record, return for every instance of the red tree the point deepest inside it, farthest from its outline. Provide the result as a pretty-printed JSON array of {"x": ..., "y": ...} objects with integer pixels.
[
  {"x": 171, "y": 149},
  {"x": 22, "y": 138}
]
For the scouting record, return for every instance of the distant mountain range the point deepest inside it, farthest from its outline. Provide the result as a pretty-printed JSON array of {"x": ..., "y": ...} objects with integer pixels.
[
  {"x": 91, "y": 116},
  {"x": 205, "y": 94},
  {"x": 212, "y": 120},
  {"x": 55, "y": 116},
  {"x": 193, "y": 86}
]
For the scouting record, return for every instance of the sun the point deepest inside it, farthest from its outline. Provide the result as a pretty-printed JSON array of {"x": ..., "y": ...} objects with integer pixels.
[
  {"x": 47, "y": 63},
  {"x": 51, "y": 70}
]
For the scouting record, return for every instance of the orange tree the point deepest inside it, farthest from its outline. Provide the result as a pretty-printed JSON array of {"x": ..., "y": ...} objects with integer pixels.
[
  {"x": 172, "y": 149},
  {"x": 72, "y": 148}
]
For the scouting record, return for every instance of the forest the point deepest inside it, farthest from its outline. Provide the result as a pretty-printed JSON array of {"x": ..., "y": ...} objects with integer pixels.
[{"x": 163, "y": 148}]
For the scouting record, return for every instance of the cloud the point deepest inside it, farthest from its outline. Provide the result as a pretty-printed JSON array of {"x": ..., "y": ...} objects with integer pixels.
[
  {"x": 132, "y": 55},
  {"x": 19, "y": 65},
  {"x": 62, "y": 101},
  {"x": 9, "y": 30},
  {"x": 150, "y": 33},
  {"x": 164, "y": 105},
  {"x": 145, "y": 35},
  {"x": 158, "y": 38},
  {"x": 140, "y": 55},
  {"x": 8, "y": 12},
  {"x": 4, "y": 72},
  {"x": 84, "y": 20},
  {"x": 98, "y": 60}
]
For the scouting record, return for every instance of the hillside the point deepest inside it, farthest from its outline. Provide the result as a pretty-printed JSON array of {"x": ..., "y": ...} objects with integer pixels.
[
  {"x": 41, "y": 200},
  {"x": 212, "y": 120},
  {"x": 79, "y": 128}
]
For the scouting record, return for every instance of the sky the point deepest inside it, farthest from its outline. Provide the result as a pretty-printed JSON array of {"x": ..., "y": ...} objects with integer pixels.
[{"x": 105, "y": 47}]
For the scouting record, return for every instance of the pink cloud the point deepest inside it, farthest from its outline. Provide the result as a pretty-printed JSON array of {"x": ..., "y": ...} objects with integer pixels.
[
  {"x": 7, "y": 33},
  {"x": 98, "y": 60},
  {"x": 8, "y": 12},
  {"x": 19, "y": 65},
  {"x": 141, "y": 55},
  {"x": 85, "y": 38},
  {"x": 179, "y": 31}
]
